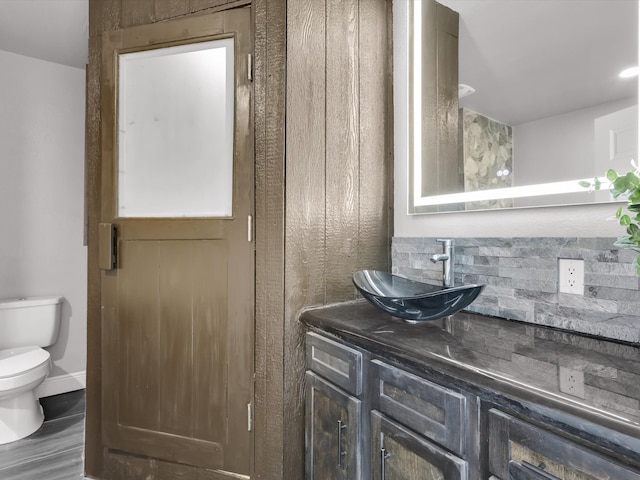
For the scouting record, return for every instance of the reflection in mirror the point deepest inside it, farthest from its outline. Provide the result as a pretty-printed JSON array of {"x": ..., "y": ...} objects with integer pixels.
[{"x": 542, "y": 103}]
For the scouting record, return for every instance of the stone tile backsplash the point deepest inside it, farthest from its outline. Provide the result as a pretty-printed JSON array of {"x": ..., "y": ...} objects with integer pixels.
[{"x": 521, "y": 278}]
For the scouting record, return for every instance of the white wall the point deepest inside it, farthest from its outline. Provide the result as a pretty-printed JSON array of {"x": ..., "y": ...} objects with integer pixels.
[
  {"x": 559, "y": 147},
  {"x": 42, "y": 196},
  {"x": 566, "y": 221}
]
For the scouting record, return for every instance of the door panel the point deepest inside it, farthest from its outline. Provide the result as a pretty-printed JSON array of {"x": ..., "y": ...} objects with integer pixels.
[
  {"x": 172, "y": 329},
  {"x": 178, "y": 309},
  {"x": 172, "y": 342}
]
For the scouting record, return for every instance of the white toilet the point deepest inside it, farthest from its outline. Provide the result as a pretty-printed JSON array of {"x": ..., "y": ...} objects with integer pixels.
[{"x": 26, "y": 324}]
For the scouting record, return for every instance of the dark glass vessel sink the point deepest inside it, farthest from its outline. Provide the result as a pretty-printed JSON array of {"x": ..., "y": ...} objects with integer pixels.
[{"x": 413, "y": 301}]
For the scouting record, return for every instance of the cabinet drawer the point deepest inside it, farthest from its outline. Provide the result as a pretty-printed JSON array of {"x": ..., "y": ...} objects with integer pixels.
[
  {"x": 336, "y": 362},
  {"x": 520, "y": 450},
  {"x": 429, "y": 409}
]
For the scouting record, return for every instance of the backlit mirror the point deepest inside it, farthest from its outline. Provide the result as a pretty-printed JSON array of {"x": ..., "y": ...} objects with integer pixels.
[{"x": 542, "y": 104}]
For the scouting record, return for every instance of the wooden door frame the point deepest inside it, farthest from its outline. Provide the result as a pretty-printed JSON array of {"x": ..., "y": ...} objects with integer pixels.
[{"x": 270, "y": 106}]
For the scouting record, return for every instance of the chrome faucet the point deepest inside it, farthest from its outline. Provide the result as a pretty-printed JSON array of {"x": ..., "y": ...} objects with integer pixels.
[{"x": 446, "y": 257}]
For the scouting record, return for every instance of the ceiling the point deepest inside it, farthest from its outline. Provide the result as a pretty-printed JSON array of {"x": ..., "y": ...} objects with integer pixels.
[
  {"x": 527, "y": 59},
  {"x": 51, "y": 30},
  {"x": 530, "y": 59}
]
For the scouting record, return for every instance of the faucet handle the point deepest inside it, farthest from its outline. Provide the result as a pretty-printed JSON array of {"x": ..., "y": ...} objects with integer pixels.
[{"x": 446, "y": 241}]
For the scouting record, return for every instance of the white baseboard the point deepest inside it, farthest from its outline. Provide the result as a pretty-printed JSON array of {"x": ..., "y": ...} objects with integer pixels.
[{"x": 62, "y": 384}]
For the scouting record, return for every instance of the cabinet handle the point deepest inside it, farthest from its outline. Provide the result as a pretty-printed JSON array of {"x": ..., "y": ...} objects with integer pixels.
[
  {"x": 383, "y": 459},
  {"x": 539, "y": 470},
  {"x": 341, "y": 454}
]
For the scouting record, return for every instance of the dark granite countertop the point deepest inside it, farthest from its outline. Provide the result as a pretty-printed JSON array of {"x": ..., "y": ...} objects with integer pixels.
[{"x": 516, "y": 359}]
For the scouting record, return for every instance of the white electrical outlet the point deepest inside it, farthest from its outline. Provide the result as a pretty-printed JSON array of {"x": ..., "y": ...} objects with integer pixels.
[
  {"x": 571, "y": 276},
  {"x": 571, "y": 382}
]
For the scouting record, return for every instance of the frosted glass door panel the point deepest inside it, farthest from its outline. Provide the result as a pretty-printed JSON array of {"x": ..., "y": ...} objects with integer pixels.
[{"x": 175, "y": 125}]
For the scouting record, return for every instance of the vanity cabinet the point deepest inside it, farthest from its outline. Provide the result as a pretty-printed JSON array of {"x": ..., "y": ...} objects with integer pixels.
[
  {"x": 371, "y": 416},
  {"x": 410, "y": 426}
]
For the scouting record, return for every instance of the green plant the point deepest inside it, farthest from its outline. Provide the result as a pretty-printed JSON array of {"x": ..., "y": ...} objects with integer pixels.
[{"x": 626, "y": 186}]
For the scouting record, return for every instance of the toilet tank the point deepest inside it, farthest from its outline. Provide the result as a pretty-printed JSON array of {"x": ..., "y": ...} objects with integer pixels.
[{"x": 29, "y": 321}]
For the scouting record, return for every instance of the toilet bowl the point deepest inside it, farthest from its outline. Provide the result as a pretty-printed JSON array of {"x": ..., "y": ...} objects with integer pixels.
[
  {"x": 21, "y": 371},
  {"x": 26, "y": 325}
]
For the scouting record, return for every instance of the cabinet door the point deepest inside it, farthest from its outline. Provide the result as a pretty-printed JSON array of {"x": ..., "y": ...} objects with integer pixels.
[
  {"x": 399, "y": 454},
  {"x": 332, "y": 432},
  {"x": 521, "y": 451}
]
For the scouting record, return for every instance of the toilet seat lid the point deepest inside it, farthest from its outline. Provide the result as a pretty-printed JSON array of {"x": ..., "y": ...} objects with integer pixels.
[{"x": 14, "y": 361}]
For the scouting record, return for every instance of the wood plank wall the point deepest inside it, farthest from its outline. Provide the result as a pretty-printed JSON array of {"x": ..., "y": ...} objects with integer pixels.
[
  {"x": 323, "y": 204},
  {"x": 270, "y": 98},
  {"x": 338, "y": 168}
]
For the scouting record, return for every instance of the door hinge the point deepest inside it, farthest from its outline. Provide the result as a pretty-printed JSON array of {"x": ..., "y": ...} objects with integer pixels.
[
  {"x": 249, "y": 67},
  {"x": 249, "y": 418},
  {"x": 249, "y": 228}
]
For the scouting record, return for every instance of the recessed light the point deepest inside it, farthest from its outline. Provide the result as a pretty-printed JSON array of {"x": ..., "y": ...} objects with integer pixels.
[{"x": 630, "y": 72}]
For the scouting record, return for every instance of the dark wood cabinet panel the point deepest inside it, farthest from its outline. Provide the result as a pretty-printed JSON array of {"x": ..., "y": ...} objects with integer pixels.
[
  {"x": 399, "y": 454},
  {"x": 332, "y": 432},
  {"x": 434, "y": 411},
  {"x": 338, "y": 363},
  {"x": 521, "y": 451}
]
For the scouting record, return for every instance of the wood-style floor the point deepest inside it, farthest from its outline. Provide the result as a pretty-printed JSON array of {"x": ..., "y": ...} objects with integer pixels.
[{"x": 55, "y": 451}]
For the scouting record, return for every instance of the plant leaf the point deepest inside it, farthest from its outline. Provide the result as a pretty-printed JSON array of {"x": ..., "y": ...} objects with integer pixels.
[
  {"x": 632, "y": 179},
  {"x": 628, "y": 185},
  {"x": 611, "y": 175},
  {"x": 597, "y": 183},
  {"x": 633, "y": 207},
  {"x": 619, "y": 212}
]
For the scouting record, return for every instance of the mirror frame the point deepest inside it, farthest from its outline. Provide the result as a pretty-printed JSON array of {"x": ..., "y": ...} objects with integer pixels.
[{"x": 421, "y": 199}]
